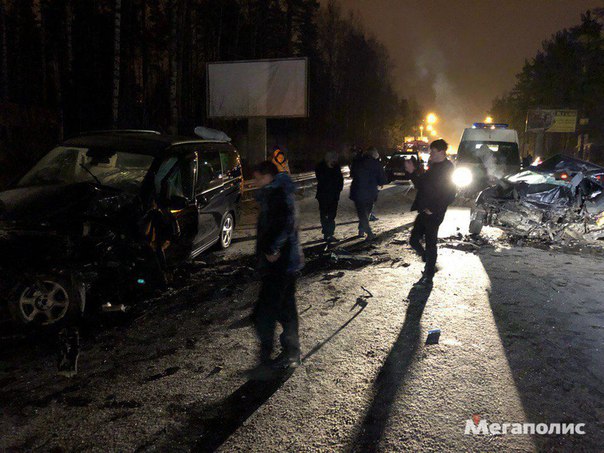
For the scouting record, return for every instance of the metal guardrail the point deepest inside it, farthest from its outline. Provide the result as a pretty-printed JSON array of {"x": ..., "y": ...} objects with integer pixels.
[{"x": 303, "y": 181}]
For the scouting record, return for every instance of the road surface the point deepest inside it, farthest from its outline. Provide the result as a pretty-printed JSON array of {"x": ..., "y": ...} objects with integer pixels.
[{"x": 521, "y": 341}]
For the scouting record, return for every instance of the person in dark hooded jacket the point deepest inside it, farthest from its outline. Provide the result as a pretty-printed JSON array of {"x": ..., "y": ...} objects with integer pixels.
[
  {"x": 279, "y": 259},
  {"x": 330, "y": 183},
  {"x": 367, "y": 175}
]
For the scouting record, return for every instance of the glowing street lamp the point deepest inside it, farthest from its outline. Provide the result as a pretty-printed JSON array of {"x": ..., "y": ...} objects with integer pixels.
[
  {"x": 429, "y": 128},
  {"x": 433, "y": 133},
  {"x": 488, "y": 120},
  {"x": 431, "y": 118}
]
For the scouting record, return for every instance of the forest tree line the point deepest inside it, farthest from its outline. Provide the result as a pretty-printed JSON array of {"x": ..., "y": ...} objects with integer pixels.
[
  {"x": 567, "y": 73},
  {"x": 102, "y": 64}
]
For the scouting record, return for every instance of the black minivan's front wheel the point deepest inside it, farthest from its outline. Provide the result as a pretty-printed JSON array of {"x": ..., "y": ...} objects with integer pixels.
[
  {"x": 227, "y": 228},
  {"x": 45, "y": 300}
]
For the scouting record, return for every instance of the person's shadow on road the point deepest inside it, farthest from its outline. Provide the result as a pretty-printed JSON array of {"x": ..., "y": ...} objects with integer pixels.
[{"x": 391, "y": 377}]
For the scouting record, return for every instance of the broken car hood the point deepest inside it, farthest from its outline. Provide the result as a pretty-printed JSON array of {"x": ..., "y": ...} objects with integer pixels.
[{"x": 55, "y": 205}]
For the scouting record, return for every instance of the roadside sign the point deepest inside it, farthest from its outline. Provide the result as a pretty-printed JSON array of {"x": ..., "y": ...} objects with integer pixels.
[{"x": 551, "y": 121}]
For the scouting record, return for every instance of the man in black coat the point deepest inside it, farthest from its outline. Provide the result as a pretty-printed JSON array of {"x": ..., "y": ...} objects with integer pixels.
[
  {"x": 367, "y": 175},
  {"x": 330, "y": 183},
  {"x": 435, "y": 192}
]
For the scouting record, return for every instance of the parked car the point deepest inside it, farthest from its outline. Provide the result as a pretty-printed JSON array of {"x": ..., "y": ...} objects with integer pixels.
[
  {"x": 72, "y": 229},
  {"x": 395, "y": 166}
]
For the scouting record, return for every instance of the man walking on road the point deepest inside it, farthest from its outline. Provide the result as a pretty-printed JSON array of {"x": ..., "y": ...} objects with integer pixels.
[
  {"x": 279, "y": 257},
  {"x": 435, "y": 192},
  {"x": 330, "y": 183},
  {"x": 367, "y": 175}
]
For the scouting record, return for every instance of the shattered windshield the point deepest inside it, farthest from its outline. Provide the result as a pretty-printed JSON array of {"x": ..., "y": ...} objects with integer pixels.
[
  {"x": 67, "y": 165},
  {"x": 488, "y": 153}
]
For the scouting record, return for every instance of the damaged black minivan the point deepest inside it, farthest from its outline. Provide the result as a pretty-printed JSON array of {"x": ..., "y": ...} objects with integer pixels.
[{"x": 72, "y": 230}]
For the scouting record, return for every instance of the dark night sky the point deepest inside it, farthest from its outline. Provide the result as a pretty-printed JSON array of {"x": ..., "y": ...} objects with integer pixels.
[{"x": 455, "y": 56}]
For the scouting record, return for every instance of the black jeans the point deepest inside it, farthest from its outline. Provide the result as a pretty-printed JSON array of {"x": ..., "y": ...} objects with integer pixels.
[
  {"x": 426, "y": 227},
  {"x": 277, "y": 303},
  {"x": 364, "y": 208},
  {"x": 328, "y": 210}
]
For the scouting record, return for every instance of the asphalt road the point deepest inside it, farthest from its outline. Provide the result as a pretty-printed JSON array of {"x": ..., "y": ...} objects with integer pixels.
[{"x": 521, "y": 340}]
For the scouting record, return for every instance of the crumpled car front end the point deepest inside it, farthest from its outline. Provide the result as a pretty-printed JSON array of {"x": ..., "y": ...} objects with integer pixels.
[
  {"x": 57, "y": 249},
  {"x": 558, "y": 201}
]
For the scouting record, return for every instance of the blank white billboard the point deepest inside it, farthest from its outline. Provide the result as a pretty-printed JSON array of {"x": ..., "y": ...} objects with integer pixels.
[{"x": 260, "y": 88}]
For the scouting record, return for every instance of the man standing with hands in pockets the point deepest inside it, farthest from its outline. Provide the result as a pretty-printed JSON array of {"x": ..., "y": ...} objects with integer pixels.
[
  {"x": 279, "y": 257},
  {"x": 435, "y": 192}
]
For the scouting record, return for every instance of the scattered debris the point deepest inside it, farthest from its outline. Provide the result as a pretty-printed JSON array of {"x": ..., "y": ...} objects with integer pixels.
[
  {"x": 433, "y": 336},
  {"x": 190, "y": 343},
  {"x": 328, "y": 277},
  {"x": 69, "y": 350},
  {"x": 217, "y": 369},
  {"x": 367, "y": 291},
  {"x": 348, "y": 259},
  {"x": 167, "y": 372},
  {"x": 110, "y": 308},
  {"x": 362, "y": 300},
  {"x": 400, "y": 241},
  {"x": 468, "y": 243}
]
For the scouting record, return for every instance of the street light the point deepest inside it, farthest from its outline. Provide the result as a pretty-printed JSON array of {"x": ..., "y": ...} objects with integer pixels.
[
  {"x": 433, "y": 133},
  {"x": 431, "y": 118},
  {"x": 488, "y": 120},
  {"x": 429, "y": 128}
]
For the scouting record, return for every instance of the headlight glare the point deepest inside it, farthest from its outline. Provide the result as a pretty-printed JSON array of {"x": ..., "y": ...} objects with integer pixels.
[{"x": 462, "y": 177}]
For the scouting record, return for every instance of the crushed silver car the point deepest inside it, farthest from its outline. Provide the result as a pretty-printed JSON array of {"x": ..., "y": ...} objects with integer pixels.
[{"x": 560, "y": 199}]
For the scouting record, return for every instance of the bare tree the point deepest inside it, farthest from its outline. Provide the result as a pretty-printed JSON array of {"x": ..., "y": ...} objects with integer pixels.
[
  {"x": 174, "y": 67},
  {"x": 4, "y": 61},
  {"x": 117, "y": 25}
]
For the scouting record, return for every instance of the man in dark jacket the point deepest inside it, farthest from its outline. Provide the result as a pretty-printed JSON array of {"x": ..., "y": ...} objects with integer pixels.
[
  {"x": 279, "y": 258},
  {"x": 330, "y": 183},
  {"x": 435, "y": 192},
  {"x": 367, "y": 175}
]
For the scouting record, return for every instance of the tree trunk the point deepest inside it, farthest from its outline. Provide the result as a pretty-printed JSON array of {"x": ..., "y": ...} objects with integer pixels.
[
  {"x": 174, "y": 68},
  {"x": 116, "y": 61},
  {"x": 69, "y": 37},
  {"x": 4, "y": 61},
  {"x": 43, "y": 52},
  {"x": 145, "y": 65},
  {"x": 289, "y": 19}
]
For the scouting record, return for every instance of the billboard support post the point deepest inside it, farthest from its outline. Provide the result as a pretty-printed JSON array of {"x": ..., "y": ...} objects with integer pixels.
[{"x": 256, "y": 140}]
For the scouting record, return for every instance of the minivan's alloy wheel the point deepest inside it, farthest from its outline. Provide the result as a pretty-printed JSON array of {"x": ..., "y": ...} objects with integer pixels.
[
  {"x": 226, "y": 231},
  {"x": 44, "y": 302}
]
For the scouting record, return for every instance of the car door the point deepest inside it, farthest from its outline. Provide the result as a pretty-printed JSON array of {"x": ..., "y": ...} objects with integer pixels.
[
  {"x": 232, "y": 178},
  {"x": 209, "y": 195},
  {"x": 175, "y": 181}
]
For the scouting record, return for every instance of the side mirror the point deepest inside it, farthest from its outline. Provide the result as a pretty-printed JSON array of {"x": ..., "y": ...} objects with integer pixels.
[{"x": 177, "y": 202}]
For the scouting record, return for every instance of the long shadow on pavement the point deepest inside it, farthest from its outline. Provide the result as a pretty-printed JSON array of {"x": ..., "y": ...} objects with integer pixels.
[
  {"x": 549, "y": 329},
  {"x": 211, "y": 425},
  {"x": 391, "y": 377}
]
